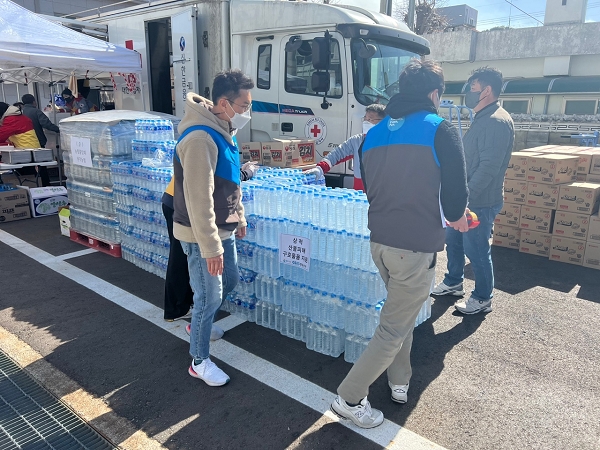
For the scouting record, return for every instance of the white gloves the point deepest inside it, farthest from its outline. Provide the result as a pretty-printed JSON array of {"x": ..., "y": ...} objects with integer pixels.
[
  {"x": 251, "y": 167},
  {"x": 317, "y": 172}
]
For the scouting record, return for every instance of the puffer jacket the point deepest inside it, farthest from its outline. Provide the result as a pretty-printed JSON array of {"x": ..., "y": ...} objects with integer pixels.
[{"x": 17, "y": 129}]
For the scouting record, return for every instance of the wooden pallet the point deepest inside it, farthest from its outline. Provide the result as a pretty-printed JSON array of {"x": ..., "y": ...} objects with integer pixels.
[{"x": 92, "y": 242}]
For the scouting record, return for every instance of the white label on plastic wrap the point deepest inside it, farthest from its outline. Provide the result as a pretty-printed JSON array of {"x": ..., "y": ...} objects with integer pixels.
[
  {"x": 294, "y": 251},
  {"x": 81, "y": 153}
]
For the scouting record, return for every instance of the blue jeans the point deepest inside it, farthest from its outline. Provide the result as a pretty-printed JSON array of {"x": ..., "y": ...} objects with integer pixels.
[
  {"x": 475, "y": 244},
  {"x": 209, "y": 292}
]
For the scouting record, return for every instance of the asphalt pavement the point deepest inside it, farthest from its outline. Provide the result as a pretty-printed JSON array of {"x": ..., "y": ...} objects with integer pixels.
[{"x": 523, "y": 376}]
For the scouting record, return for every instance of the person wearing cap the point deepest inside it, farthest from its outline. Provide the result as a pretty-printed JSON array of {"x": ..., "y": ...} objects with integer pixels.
[
  {"x": 79, "y": 105},
  {"x": 349, "y": 149}
]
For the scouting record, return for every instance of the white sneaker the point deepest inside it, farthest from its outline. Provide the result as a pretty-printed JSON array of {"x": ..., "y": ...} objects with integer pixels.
[
  {"x": 444, "y": 289},
  {"x": 399, "y": 392},
  {"x": 216, "y": 331},
  {"x": 362, "y": 415},
  {"x": 473, "y": 306},
  {"x": 208, "y": 372}
]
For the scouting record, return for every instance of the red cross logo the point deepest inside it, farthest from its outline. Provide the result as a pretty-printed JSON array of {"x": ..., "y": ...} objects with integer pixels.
[{"x": 315, "y": 131}]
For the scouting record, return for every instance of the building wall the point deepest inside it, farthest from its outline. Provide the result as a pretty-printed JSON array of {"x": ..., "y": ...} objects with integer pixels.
[{"x": 563, "y": 11}]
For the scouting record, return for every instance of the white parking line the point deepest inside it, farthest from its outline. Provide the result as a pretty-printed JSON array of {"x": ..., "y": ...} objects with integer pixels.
[
  {"x": 388, "y": 435},
  {"x": 87, "y": 251}
]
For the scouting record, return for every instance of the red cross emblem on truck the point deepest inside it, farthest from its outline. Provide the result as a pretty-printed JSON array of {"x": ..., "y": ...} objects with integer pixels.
[{"x": 315, "y": 130}]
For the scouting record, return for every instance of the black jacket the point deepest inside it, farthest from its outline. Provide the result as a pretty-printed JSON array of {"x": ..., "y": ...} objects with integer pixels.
[{"x": 40, "y": 121}]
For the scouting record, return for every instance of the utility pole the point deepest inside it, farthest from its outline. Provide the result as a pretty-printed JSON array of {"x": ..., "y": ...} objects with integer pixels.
[{"x": 411, "y": 14}]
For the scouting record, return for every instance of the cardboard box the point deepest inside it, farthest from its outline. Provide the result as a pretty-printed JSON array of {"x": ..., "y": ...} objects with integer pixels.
[
  {"x": 592, "y": 255},
  {"x": 552, "y": 169},
  {"x": 585, "y": 159},
  {"x": 504, "y": 236},
  {"x": 595, "y": 163},
  {"x": 592, "y": 178},
  {"x": 64, "y": 217},
  {"x": 515, "y": 191},
  {"x": 510, "y": 215},
  {"x": 541, "y": 195},
  {"x": 45, "y": 201},
  {"x": 251, "y": 151},
  {"x": 14, "y": 197},
  {"x": 278, "y": 153},
  {"x": 581, "y": 178},
  {"x": 571, "y": 225},
  {"x": 567, "y": 250},
  {"x": 10, "y": 213},
  {"x": 304, "y": 152},
  {"x": 581, "y": 198},
  {"x": 594, "y": 229},
  {"x": 537, "y": 219},
  {"x": 517, "y": 165},
  {"x": 541, "y": 148},
  {"x": 535, "y": 243}
]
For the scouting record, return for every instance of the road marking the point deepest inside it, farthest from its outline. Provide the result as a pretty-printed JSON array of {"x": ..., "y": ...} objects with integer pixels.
[
  {"x": 389, "y": 435},
  {"x": 84, "y": 252}
]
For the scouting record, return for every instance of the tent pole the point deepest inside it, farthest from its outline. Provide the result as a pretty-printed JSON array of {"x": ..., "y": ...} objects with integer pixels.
[
  {"x": 57, "y": 144},
  {"x": 3, "y": 93}
]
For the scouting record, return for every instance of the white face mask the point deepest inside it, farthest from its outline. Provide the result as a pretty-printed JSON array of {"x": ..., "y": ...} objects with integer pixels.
[
  {"x": 367, "y": 126},
  {"x": 238, "y": 121}
]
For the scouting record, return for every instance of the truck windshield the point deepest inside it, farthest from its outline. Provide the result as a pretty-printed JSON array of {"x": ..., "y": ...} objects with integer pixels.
[{"x": 376, "y": 78}]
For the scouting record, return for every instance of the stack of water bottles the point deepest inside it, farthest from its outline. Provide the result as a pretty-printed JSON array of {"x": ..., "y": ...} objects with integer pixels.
[
  {"x": 154, "y": 141},
  {"x": 139, "y": 186},
  {"x": 334, "y": 306},
  {"x": 90, "y": 189}
]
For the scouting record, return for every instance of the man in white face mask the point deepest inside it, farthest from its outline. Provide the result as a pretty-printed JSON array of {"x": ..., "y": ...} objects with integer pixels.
[
  {"x": 207, "y": 203},
  {"x": 349, "y": 149}
]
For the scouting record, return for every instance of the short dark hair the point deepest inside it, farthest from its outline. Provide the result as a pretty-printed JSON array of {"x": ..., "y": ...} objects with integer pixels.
[
  {"x": 28, "y": 99},
  {"x": 229, "y": 83},
  {"x": 488, "y": 76},
  {"x": 3, "y": 108},
  {"x": 377, "y": 108},
  {"x": 66, "y": 91},
  {"x": 421, "y": 77}
]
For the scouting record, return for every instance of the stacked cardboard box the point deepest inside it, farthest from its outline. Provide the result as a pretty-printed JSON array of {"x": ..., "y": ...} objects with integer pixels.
[
  {"x": 283, "y": 153},
  {"x": 558, "y": 204},
  {"x": 14, "y": 204}
]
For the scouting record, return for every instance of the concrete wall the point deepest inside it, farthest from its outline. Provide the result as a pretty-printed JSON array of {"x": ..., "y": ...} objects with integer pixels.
[
  {"x": 563, "y": 11},
  {"x": 518, "y": 43}
]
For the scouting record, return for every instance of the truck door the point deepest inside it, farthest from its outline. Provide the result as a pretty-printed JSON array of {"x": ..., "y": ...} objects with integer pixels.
[
  {"x": 185, "y": 66},
  {"x": 265, "y": 96},
  {"x": 303, "y": 112}
]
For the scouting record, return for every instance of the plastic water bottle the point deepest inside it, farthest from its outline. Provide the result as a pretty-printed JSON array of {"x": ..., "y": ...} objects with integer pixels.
[{"x": 339, "y": 247}]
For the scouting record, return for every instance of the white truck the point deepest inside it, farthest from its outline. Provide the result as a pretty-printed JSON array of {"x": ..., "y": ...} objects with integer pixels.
[{"x": 316, "y": 67}]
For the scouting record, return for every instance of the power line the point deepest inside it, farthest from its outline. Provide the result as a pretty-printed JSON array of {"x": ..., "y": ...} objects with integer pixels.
[{"x": 525, "y": 12}]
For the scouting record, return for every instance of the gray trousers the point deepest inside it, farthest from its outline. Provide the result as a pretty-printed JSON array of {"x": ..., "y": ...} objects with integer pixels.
[{"x": 408, "y": 276}]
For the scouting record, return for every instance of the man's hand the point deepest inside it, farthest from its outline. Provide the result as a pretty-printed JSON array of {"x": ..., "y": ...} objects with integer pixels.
[
  {"x": 240, "y": 233},
  {"x": 461, "y": 224},
  {"x": 215, "y": 265},
  {"x": 317, "y": 172},
  {"x": 251, "y": 167}
]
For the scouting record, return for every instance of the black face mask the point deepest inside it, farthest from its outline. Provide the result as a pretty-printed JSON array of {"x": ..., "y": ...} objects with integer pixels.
[{"x": 472, "y": 99}]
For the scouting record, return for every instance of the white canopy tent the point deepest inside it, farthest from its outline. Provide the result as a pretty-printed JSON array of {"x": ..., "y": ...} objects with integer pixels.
[{"x": 35, "y": 49}]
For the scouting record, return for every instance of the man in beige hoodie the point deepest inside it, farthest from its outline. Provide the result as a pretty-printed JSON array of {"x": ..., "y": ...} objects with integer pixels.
[{"x": 208, "y": 205}]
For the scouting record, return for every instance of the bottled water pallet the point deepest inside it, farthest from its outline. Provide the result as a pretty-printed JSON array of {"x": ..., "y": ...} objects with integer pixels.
[{"x": 92, "y": 242}]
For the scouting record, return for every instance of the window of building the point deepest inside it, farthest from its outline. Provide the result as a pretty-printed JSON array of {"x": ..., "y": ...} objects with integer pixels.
[
  {"x": 516, "y": 106},
  {"x": 564, "y": 2},
  {"x": 581, "y": 106},
  {"x": 264, "y": 67},
  {"x": 299, "y": 70}
]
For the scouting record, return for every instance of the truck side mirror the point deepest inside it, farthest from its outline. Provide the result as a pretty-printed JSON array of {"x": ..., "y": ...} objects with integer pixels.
[
  {"x": 320, "y": 82},
  {"x": 321, "y": 55}
]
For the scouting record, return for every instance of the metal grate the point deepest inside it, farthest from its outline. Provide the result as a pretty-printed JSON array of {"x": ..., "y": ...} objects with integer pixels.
[{"x": 31, "y": 418}]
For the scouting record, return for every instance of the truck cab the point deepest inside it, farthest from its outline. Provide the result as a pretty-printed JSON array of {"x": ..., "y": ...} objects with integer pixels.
[{"x": 315, "y": 66}]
